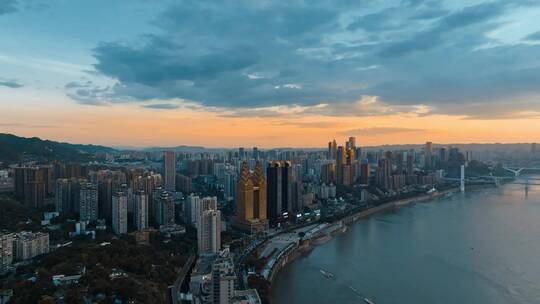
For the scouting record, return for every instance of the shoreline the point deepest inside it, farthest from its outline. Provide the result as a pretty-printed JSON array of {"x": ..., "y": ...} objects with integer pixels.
[{"x": 308, "y": 245}]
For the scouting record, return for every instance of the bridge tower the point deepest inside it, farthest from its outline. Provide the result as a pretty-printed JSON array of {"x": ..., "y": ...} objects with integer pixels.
[{"x": 462, "y": 179}]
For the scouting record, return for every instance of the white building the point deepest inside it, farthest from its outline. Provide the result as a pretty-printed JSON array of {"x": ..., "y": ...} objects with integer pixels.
[
  {"x": 209, "y": 232},
  {"x": 28, "y": 245},
  {"x": 6, "y": 251}
]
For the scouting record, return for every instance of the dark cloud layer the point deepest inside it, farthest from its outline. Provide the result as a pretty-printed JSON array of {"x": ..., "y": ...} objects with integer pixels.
[
  {"x": 8, "y": 6},
  {"x": 381, "y": 131},
  {"x": 162, "y": 106},
  {"x": 252, "y": 54},
  {"x": 10, "y": 83}
]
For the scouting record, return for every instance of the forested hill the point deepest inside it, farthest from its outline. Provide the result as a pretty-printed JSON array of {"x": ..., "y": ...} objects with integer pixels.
[{"x": 14, "y": 148}]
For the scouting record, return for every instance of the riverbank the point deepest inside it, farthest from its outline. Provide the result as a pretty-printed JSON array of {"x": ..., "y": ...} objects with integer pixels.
[
  {"x": 293, "y": 250},
  {"x": 433, "y": 244}
]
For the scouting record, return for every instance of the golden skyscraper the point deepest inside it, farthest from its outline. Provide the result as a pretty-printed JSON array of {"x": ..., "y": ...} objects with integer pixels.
[{"x": 251, "y": 198}]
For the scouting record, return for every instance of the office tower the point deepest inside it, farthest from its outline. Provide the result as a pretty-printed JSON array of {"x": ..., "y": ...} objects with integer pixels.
[
  {"x": 119, "y": 212},
  {"x": 251, "y": 198},
  {"x": 332, "y": 149},
  {"x": 351, "y": 144},
  {"x": 88, "y": 202},
  {"x": 297, "y": 191},
  {"x": 278, "y": 191},
  {"x": 169, "y": 170},
  {"x": 345, "y": 164},
  {"x": 164, "y": 205},
  {"x": 428, "y": 155},
  {"x": 209, "y": 232},
  {"x": 140, "y": 211},
  {"x": 27, "y": 245}
]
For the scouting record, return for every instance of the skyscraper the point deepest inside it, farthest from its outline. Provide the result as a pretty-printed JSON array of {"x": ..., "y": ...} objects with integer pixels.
[
  {"x": 279, "y": 191},
  {"x": 140, "y": 210},
  {"x": 332, "y": 149},
  {"x": 251, "y": 198},
  {"x": 328, "y": 173},
  {"x": 351, "y": 144},
  {"x": 88, "y": 202},
  {"x": 169, "y": 170},
  {"x": 119, "y": 212}
]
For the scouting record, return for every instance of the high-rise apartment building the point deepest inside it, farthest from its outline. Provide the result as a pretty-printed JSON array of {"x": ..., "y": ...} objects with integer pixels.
[
  {"x": 88, "y": 202},
  {"x": 6, "y": 251},
  {"x": 223, "y": 278},
  {"x": 169, "y": 170},
  {"x": 164, "y": 208},
  {"x": 192, "y": 208},
  {"x": 140, "y": 210},
  {"x": 105, "y": 193},
  {"x": 384, "y": 173},
  {"x": 28, "y": 245},
  {"x": 33, "y": 185},
  {"x": 62, "y": 195},
  {"x": 209, "y": 232},
  {"x": 119, "y": 212},
  {"x": 364, "y": 173}
]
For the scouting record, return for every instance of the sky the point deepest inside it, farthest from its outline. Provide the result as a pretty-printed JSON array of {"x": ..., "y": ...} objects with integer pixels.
[{"x": 270, "y": 73}]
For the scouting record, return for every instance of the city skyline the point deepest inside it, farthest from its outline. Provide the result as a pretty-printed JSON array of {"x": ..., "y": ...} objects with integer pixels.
[{"x": 168, "y": 74}]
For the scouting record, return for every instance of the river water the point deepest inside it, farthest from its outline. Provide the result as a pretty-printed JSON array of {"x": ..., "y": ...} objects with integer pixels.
[{"x": 480, "y": 247}]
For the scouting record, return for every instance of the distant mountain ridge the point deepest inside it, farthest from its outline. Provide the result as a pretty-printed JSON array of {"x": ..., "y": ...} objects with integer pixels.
[{"x": 15, "y": 148}]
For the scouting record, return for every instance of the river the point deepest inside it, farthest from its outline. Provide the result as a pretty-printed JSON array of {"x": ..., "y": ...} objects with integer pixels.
[{"x": 479, "y": 247}]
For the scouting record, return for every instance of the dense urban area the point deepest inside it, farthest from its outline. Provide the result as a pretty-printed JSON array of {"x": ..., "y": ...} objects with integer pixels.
[{"x": 92, "y": 224}]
